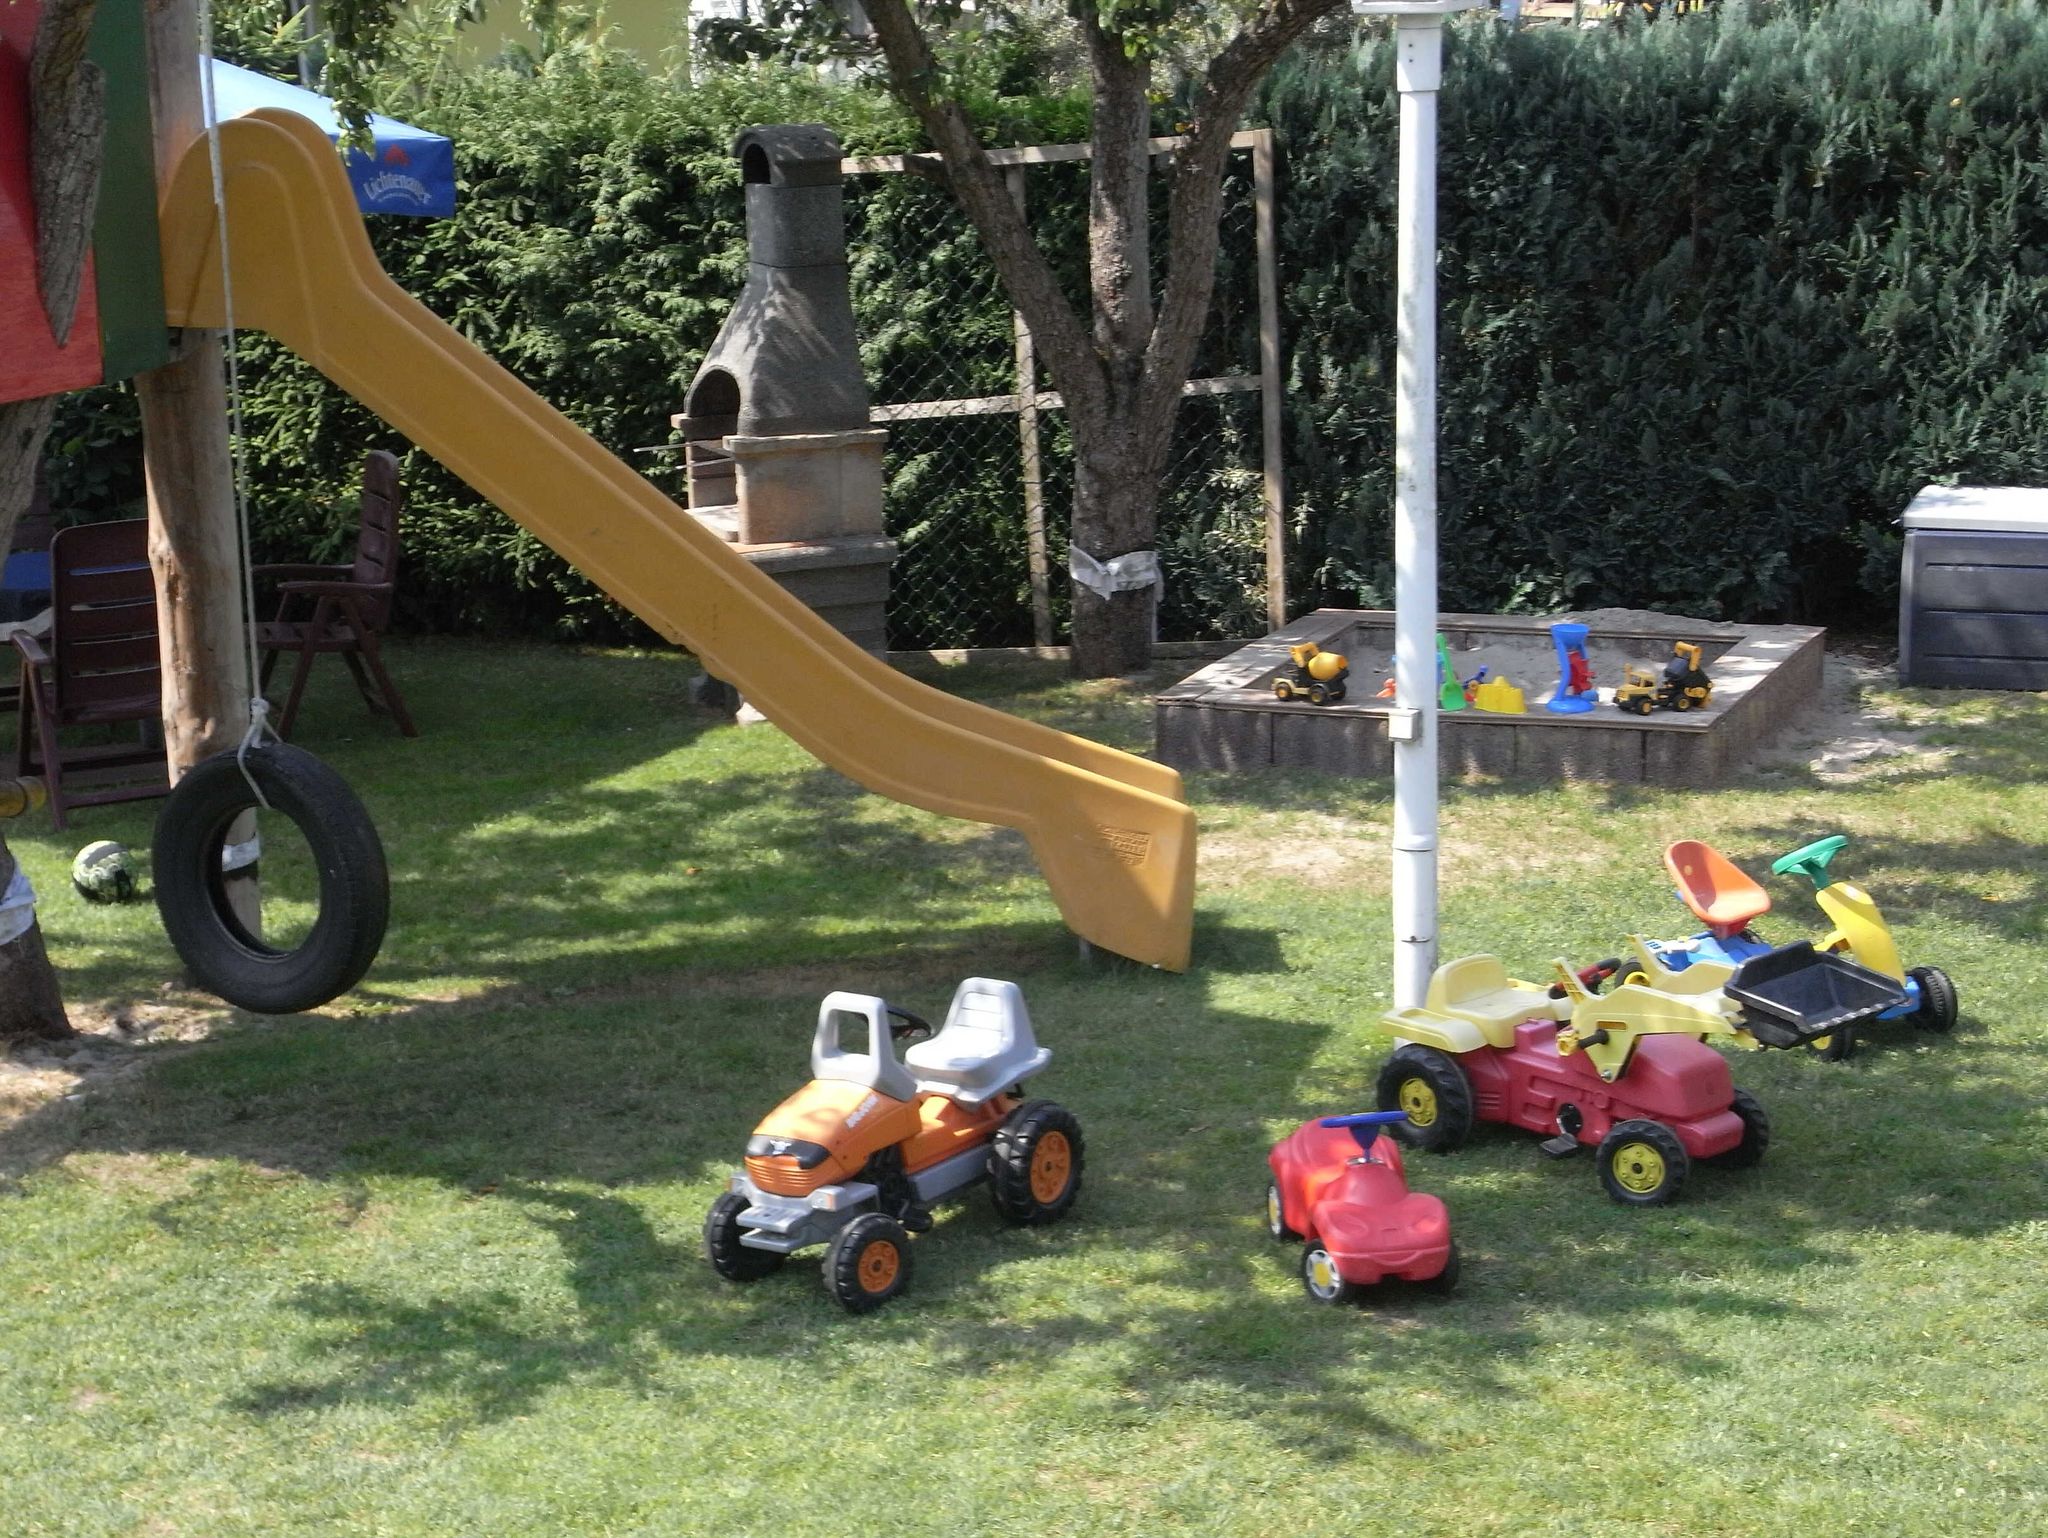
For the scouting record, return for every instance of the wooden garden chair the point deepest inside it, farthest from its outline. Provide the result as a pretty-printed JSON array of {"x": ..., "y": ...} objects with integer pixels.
[
  {"x": 343, "y": 609},
  {"x": 96, "y": 666}
]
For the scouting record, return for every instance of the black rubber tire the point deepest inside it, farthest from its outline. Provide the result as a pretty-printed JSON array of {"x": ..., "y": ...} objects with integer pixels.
[
  {"x": 1282, "y": 689},
  {"x": 1446, "y": 1080},
  {"x": 1938, "y": 1002},
  {"x": 1756, "y": 1135},
  {"x": 1333, "y": 1294},
  {"x": 851, "y": 1288},
  {"x": 1015, "y": 1149},
  {"x": 1677, "y": 1164},
  {"x": 355, "y": 888},
  {"x": 1276, "y": 1219},
  {"x": 1446, "y": 1280},
  {"x": 729, "y": 1258}
]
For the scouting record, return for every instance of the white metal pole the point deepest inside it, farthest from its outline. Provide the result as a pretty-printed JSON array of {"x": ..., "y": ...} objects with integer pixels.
[{"x": 1418, "y": 71}]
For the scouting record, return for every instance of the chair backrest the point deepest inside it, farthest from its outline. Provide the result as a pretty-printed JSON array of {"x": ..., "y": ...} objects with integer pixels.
[
  {"x": 988, "y": 1018},
  {"x": 875, "y": 1068},
  {"x": 103, "y": 630},
  {"x": 377, "y": 535}
]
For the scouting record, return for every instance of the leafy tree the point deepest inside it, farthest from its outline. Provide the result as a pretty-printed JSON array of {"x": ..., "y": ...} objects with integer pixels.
[
  {"x": 1121, "y": 360},
  {"x": 1120, "y": 365}
]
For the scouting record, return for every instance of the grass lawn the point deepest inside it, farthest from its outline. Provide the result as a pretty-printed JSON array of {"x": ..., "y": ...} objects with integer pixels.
[{"x": 426, "y": 1263}]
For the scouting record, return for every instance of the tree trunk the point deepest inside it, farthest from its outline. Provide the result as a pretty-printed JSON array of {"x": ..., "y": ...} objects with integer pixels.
[
  {"x": 1122, "y": 373},
  {"x": 188, "y": 463},
  {"x": 1117, "y": 481},
  {"x": 31, "y": 1007},
  {"x": 65, "y": 93}
]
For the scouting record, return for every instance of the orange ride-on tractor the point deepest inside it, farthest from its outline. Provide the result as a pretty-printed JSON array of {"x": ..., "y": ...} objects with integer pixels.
[{"x": 856, "y": 1158}]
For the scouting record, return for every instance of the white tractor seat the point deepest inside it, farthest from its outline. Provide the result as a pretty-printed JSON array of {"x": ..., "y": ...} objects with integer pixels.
[{"x": 985, "y": 1046}]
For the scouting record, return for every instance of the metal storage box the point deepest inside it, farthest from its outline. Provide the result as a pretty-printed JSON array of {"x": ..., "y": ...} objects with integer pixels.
[{"x": 1973, "y": 588}]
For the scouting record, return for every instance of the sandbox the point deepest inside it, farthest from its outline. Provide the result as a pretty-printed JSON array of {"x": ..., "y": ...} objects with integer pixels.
[{"x": 1226, "y": 716}]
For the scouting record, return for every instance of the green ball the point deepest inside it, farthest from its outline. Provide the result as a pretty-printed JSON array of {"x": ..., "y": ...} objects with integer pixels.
[{"x": 104, "y": 872}]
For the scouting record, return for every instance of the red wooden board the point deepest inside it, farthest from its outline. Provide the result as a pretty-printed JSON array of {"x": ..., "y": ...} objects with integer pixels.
[{"x": 31, "y": 362}]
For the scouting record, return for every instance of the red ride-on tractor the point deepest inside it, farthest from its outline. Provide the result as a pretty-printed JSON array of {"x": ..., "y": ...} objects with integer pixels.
[
  {"x": 855, "y": 1159},
  {"x": 1339, "y": 1187},
  {"x": 1626, "y": 1073}
]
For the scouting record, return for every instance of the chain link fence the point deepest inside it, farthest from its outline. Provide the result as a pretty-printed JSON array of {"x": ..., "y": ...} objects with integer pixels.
[{"x": 979, "y": 461}]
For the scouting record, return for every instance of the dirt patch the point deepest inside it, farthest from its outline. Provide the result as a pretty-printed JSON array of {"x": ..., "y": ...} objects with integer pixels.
[
  {"x": 1851, "y": 733},
  {"x": 113, "y": 1042},
  {"x": 1355, "y": 859}
]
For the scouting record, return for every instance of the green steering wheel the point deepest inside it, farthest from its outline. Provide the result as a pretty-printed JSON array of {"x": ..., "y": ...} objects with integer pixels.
[{"x": 1811, "y": 860}]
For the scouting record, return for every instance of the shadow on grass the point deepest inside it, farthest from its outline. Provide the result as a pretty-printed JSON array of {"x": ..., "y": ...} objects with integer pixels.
[
  {"x": 606, "y": 1123},
  {"x": 563, "y": 818}
]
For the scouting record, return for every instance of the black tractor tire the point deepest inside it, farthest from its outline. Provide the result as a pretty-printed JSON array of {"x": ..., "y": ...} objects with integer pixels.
[
  {"x": 868, "y": 1263},
  {"x": 1449, "y": 1098},
  {"x": 1642, "y": 1163},
  {"x": 191, "y": 893},
  {"x": 731, "y": 1259},
  {"x": 1035, "y": 1162},
  {"x": 1756, "y": 1135},
  {"x": 1938, "y": 1002}
]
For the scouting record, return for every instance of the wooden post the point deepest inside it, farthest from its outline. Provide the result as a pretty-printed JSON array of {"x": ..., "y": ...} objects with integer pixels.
[
  {"x": 1034, "y": 463},
  {"x": 1275, "y": 490},
  {"x": 188, "y": 466},
  {"x": 193, "y": 543}
]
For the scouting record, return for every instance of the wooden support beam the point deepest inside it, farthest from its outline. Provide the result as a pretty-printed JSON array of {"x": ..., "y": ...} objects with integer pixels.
[{"x": 193, "y": 543}]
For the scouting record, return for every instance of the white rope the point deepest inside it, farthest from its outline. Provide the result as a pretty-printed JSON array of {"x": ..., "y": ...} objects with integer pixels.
[{"x": 258, "y": 706}]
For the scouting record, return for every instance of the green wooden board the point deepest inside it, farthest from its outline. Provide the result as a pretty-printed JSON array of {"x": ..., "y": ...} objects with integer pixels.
[{"x": 125, "y": 249}]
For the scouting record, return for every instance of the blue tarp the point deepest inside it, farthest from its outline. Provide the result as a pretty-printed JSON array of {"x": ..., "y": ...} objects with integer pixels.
[{"x": 410, "y": 172}]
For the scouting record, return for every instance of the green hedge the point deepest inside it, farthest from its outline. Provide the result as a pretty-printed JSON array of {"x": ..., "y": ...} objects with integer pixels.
[
  {"x": 1717, "y": 296},
  {"x": 598, "y": 244}
]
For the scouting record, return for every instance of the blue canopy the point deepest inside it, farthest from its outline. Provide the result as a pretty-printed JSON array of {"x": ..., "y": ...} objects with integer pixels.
[{"x": 410, "y": 172}]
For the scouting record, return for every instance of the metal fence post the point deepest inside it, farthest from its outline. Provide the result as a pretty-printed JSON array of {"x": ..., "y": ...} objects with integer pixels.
[{"x": 1269, "y": 378}]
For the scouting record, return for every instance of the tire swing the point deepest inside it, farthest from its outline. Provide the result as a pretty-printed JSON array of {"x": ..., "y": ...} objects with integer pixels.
[
  {"x": 191, "y": 861},
  {"x": 204, "y": 853}
]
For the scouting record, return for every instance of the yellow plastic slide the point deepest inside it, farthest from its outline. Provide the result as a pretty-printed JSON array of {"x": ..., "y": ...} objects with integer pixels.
[{"x": 1111, "y": 831}]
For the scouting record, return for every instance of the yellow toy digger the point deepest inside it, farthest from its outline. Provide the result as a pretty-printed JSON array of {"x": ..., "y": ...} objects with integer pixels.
[
  {"x": 1318, "y": 676},
  {"x": 1684, "y": 685}
]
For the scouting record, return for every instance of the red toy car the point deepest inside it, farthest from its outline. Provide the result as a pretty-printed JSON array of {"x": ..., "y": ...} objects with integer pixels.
[{"x": 1338, "y": 1186}]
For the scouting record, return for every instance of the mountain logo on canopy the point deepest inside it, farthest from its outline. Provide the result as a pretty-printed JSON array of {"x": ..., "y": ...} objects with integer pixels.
[{"x": 396, "y": 156}]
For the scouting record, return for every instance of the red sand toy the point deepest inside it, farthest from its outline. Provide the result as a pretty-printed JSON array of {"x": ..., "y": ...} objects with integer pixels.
[{"x": 1339, "y": 1187}]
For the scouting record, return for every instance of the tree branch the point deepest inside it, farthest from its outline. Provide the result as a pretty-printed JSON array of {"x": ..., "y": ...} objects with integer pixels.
[
  {"x": 1055, "y": 327},
  {"x": 1196, "y": 196},
  {"x": 1119, "y": 223},
  {"x": 66, "y": 120}
]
